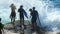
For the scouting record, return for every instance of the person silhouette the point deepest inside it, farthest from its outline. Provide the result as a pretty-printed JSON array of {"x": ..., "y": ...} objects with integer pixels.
[
  {"x": 22, "y": 12},
  {"x": 13, "y": 13},
  {"x": 34, "y": 15},
  {"x": 1, "y": 27}
]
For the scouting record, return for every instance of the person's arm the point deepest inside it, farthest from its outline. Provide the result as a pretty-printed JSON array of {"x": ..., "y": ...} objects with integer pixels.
[
  {"x": 37, "y": 13},
  {"x": 30, "y": 14},
  {"x": 15, "y": 7},
  {"x": 25, "y": 14},
  {"x": 38, "y": 18}
]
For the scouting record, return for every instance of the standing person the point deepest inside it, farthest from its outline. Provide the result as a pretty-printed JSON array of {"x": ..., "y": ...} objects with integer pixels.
[
  {"x": 1, "y": 27},
  {"x": 13, "y": 13},
  {"x": 21, "y": 14},
  {"x": 34, "y": 15}
]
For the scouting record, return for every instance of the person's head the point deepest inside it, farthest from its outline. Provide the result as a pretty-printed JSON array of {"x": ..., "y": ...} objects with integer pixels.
[
  {"x": 0, "y": 19},
  {"x": 21, "y": 6},
  {"x": 33, "y": 8},
  {"x": 30, "y": 9},
  {"x": 12, "y": 4}
]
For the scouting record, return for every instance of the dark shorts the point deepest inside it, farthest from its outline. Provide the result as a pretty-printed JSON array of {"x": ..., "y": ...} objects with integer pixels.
[
  {"x": 13, "y": 14},
  {"x": 33, "y": 20}
]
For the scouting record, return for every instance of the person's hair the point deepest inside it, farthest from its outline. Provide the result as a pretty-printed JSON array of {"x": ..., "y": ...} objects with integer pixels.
[
  {"x": 30, "y": 9},
  {"x": 21, "y": 6},
  {"x": 12, "y": 4},
  {"x": 0, "y": 19},
  {"x": 33, "y": 7}
]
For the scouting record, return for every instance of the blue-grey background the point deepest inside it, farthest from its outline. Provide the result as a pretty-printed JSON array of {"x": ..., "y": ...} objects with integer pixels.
[{"x": 49, "y": 11}]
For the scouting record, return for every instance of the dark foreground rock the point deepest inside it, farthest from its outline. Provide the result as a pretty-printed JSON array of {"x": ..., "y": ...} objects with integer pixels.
[{"x": 9, "y": 28}]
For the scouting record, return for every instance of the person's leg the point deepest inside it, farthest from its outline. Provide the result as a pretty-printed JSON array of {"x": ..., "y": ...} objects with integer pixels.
[
  {"x": 23, "y": 25},
  {"x": 23, "y": 21},
  {"x": 36, "y": 27},
  {"x": 0, "y": 31},
  {"x": 15, "y": 27},
  {"x": 14, "y": 19},
  {"x": 32, "y": 24},
  {"x": 38, "y": 30},
  {"x": 20, "y": 23},
  {"x": 11, "y": 20},
  {"x": 14, "y": 16},
  {"x": 11, "y": 16}
]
